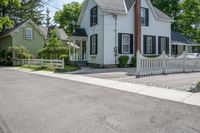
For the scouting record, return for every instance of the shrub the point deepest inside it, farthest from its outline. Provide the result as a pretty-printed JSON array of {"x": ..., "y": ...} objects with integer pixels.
[
  {"x": 134, "y": 61},
  {"x": 123, "y": 61},
  {"x": 20, "y": 52},
  {"x": 66, "y": 58}
]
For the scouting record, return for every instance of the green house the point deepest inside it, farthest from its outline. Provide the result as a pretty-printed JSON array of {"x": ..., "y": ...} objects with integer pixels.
[{"x": 26, "y": 34}]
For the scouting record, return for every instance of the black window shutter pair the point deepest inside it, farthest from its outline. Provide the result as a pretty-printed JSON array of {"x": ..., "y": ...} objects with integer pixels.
[
  {"x": 159, "y": 45},
  {"x": 120, "y": 43},
  {"x": 153, "y": 45},
  {"x": 96, "y": 38}
]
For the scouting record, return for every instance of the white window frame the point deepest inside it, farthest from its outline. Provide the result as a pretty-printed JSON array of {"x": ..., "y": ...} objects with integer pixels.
[
  {"x": 29, "y": 33},
  {"x": 149, "y": 46},
  {"x": 126, "y": 44},
  {"x": 93, "y": 44},
  {"x": 143, "y": 16}
]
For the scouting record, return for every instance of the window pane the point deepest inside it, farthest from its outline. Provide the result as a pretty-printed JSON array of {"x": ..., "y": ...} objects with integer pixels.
[
  {"x": 125, "y": 43},
  {"x": 149, "y": 45},
  {"x": 28, "y": 33},
  {"x": 163, "y": 44},
  {"x": 143, "y": 16}
]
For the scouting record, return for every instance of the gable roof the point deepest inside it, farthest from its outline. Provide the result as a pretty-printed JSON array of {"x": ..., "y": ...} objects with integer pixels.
[
  {"x": 18, "y": 27},
  {"x": 179, "y": 38},
  {"x": 122, "y": 7},
  {"x": 61, "y": 33}
]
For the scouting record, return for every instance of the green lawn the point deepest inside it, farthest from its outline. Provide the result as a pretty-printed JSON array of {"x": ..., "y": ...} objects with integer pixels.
[{"x": 68, "y": 68}]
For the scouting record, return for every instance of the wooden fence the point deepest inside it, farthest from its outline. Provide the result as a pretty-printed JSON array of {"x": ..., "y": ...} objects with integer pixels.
[
  {"x": 57, "y": 64},
  {"x": 165, "y": 65}
]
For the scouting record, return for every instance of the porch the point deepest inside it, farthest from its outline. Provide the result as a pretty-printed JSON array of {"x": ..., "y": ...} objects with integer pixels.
[{"x": 79, "y": 39}]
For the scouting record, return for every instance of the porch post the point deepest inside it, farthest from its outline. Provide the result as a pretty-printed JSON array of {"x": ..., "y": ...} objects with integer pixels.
[
  {"x": 74, "y": 52},
  {"x": 81, "y": 48},
  {"x": 70, "y": 50}
]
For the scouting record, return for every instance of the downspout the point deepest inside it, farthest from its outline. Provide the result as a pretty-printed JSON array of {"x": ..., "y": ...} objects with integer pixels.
[
  {"x": 137, "y": 26},
  {"x": 116, "y": 44}
]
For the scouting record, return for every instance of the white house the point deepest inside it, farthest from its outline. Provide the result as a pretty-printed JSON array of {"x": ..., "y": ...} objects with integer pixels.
[{"x": 111, "y": 28}]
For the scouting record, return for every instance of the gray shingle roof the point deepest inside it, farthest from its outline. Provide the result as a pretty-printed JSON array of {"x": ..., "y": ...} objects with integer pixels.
[
  {"x": 61, "y": 33},
  {"x": 122, "y": 6},
  {"x": 178, "y": 38},
  {"x": 114, "y": 6},
  {"x": 161, "y": 14}
]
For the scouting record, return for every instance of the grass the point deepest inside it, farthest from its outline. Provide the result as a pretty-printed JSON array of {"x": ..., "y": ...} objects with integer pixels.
[{"x": 68, "y": 68}]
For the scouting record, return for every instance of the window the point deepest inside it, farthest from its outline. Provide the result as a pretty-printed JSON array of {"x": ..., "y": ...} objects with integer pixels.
[
  {"x": 94, "y": 16},
  {"x": 163, "y": 44},
  {"x": 93, "y": 44},
  {"x": 144, "y": 17},
  {"x": 29, "y": 34},
  {"x": 125, "y": 43},
  {"x": 149, "y": 44}
]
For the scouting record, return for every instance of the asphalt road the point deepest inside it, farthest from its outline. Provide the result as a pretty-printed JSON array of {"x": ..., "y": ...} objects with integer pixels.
[{"x": 38, "y": 104}]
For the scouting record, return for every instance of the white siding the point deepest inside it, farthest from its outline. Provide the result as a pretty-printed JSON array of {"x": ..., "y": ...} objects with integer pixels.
[
  {"x": 125, "y": 24},
  {"x": 155, "y": 28},
  {"x": 97, "y": 29}
]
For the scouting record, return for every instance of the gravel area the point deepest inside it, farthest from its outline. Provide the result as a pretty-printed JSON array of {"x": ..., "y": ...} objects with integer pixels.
[{"x": 181, "y": 81}]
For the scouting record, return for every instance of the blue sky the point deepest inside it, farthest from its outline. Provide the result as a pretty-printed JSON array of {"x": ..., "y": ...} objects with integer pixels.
[{"x": 58, "y": 4}]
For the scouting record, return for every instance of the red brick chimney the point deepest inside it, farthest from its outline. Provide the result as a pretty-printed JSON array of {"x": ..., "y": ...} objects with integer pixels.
[{"x": 137, "y": 26}]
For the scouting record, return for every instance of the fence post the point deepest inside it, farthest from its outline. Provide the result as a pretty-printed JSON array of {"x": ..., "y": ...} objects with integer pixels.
[
  {"x": 138, "y": 67},
  {"x": 163, "y": 62},
  {"x": 184, "y": 62},
  {"x": 42, "y": 63},
  {"x": 28, "y": 62},
  {"x": 63, "y": 63}
]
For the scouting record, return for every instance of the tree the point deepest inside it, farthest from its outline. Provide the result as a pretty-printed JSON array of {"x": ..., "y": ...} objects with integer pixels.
[
  {"x": 189, "y": 19},
  {"x": 186, "y": 14},
  {"x": 31, "y": 10},
  {"x": 5, "y": 20},
  {"x": 169, "y": 7},
  {"x": 54, "y": 49},
  {"x": 68, "y": 16}
]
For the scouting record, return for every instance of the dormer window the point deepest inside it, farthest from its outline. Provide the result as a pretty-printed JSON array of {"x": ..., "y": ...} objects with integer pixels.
[
  {"x": 144, "y": 17},
  {"x": 94, "y": 16}
]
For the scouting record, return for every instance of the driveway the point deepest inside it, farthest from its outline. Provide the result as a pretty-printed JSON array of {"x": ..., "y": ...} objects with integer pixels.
[
  {"x": 38, "y": 104},
  {"x": 180, "y": 81}
]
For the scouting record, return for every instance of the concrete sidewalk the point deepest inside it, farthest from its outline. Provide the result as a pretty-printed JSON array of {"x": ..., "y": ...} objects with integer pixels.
[{"x": 178, "y": 96}]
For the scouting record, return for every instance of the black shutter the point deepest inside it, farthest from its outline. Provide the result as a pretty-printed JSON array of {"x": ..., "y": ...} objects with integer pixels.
[
  {"x": 167, "y": 45},
  {"x": 159, "y": 45},
  {"x": 90, "y": 44},
  {"x": 96, "y": 16},
  {"x": 131, "y": 44},
  {"x": 120, "y": 43},
  {"x": 145, "y": 44},
  {"x": 96, "y": 36},
  {"x": 154, "y": 44},
  {"x": 91, "y": 16},
  {"x": 147, "y": 17}
]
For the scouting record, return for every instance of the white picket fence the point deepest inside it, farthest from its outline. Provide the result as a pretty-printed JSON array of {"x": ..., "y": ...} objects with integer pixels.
[
  {"x": 165, "y": 65},
  {"x": 57, "y": 64}
]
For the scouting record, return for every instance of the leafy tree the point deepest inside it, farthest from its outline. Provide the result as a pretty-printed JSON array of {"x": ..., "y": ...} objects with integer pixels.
[
  {"x": 54, "y": 48},
  {"x": 189, "y": 19},
  {"x": 20, "y": 52},
  {"x": 68, "y": 16},
  {"x": 5, "y": 20},
  {"x": 186, "y": 14}
]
